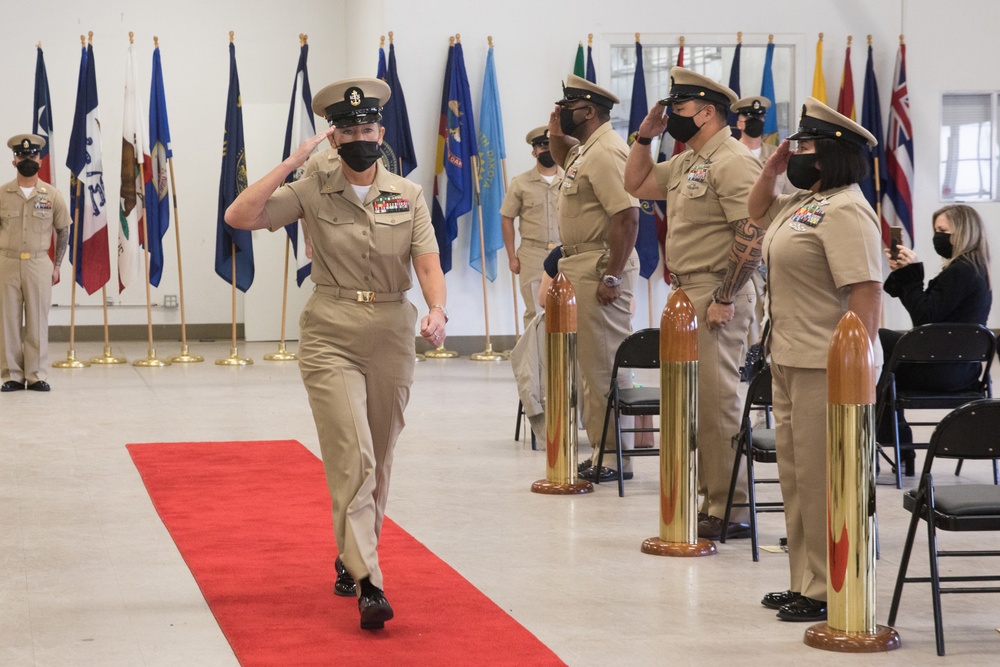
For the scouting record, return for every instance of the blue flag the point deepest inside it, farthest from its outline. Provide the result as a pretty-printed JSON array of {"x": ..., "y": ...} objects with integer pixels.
[
  {"x": 491, "y": 187},
  {"x": 157, "y": 199},
  {"x": 231, "y": 183},
  {"x": 460, "y": 145},
  {"x": 734, "y": 85},
  {"x": 300, "y": 118},
  {"x": 381, "y": 63},
  {"x": 438, "y": 220},
  {"x": 871, "y": 120},
  {"x": 645, "y": 243},
  {"x": 767, "y": 90},
  {"x": 397, "y": 144},
  {"x": 591, "y": 72}
]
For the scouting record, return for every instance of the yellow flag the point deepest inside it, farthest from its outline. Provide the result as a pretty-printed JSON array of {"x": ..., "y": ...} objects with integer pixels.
[{"x": 819, "y": 83}]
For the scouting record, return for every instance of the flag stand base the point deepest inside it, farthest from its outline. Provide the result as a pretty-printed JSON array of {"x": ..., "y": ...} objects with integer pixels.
[
  {"x": 186, "y": 358},
  {"x": 281, "y": 355},
  {"x": 824, "y": 637},
  {"x": 548, "y": 488},
  {"x": 487, "y": 355},
  {"x": 654, "y": 546},
  {"x": 234, "y": 359},
  {"x": 70, "y": 361},
  {"x": 151, "y": 361},
  {"x": 108, "y": 358},
  {"x": 421, "y": 357},
  {"x": 440, "y": 353}
]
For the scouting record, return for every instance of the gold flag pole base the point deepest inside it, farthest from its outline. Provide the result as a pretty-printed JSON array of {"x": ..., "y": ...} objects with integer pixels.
[
  {"x": 234, "y": 359},
  {"x": 487, "y": 355},
  {"x": 561, "y": 488},
  {"x": 281, "y": 355},
  {"x": 421, "y": 357},
  {"x": 186, "y": 357},
  {"x": 70, "y": 361},
  {"x": 824, "y": 637},
  {"x": 108, "y": 358},
  {"x": 654, "y": 546},
  {"x": 440, "y": 353},
  {"x": 506, "y": 354},
  {"x": 151, "y": 361}
]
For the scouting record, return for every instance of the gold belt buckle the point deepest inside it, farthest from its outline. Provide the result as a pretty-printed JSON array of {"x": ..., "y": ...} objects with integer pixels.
[
  {"x": 366, "y": 297},
  {"x": 25, "y": 255},
  {"x": 675, "y": 280},
  {"x": 552, "y": 245}
]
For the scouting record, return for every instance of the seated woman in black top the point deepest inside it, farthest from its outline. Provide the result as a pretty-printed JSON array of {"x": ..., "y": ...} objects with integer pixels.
[{"x": 959, "y": 293}]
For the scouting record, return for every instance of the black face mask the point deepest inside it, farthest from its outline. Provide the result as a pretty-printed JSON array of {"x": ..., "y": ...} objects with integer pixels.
[
  {"x": 681, "y": 128},
  {"x": 545, "y": 159},
  {"x": 28, "y": 168},
  {"x": 942, "y": 244},
  {"x": 566, "y": 122},
  {"x": 802, "y": 171},
  {"x": 359, "y": 155},
  {"x": 753, "y": 127}
]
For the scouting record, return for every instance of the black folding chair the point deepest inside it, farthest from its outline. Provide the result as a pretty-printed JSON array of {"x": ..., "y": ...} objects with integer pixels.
[
  {"x": 758, "y": 446},
  {"x": 640, "y": 350},
  {"x": 927, "y": 346},
  {"x": 523, "y": 419},
  {"x": 970, "y": 432}
]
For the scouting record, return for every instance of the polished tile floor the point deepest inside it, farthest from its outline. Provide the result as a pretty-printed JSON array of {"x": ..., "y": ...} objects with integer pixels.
[{"x": 89, "y": 575}]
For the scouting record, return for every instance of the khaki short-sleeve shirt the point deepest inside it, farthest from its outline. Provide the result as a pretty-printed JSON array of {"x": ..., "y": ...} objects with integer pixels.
[
  {"x": 817, "y": 245},
  {"x": 706, "y": 193},
  {"x": 536, "y": 203},
  {"x": 593, "y": 188},
  {"x": 358, "y": 245},
  {"x": 26, "y": 223},
  {"x": 321, "y": 161}
]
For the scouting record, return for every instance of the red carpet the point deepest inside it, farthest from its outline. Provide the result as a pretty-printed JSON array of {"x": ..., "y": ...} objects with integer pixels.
[{"x": 252, "y": 521}]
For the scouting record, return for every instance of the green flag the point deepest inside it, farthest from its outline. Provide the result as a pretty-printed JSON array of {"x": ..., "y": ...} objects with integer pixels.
[{"x": 580, "y": 67}]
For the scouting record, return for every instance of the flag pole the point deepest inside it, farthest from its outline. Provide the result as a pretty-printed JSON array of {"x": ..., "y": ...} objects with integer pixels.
[
  {"x": 150, "y": 361},
  {"x": 283, "y": 354},
  {"x": 488, "y": 354},
  {"x": 71, "y": 361},
  {"x": 513, "y": 278},
  {"x": 234, "y": 358}
]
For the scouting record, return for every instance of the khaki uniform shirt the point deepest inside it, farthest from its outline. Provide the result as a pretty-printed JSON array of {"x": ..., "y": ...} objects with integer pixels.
[
  {"x": 593, "y": 188},
  {"x": 358, "y": 245},
  {"x": 816, "y": 246},
  {"x": 706, "y": 193},
  {"x": 321, "y": 161},
  {"x": 26, "y": 223},
  {"x": 536, "y": 203}
]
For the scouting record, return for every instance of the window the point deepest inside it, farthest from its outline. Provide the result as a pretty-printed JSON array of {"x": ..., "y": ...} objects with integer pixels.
[
  {"x": 712, "y": 61},
  {"x": 968, "y": 146}
]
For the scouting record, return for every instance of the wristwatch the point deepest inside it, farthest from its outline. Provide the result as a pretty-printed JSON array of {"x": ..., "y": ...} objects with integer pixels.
[
  {"x": 643, "y": 141},
  {"x": 611, "y": 281},
  {"x": 444, "y": 311}
]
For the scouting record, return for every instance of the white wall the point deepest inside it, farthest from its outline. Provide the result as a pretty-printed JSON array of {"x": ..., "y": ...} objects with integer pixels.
[{"x": 535, "y": 45}]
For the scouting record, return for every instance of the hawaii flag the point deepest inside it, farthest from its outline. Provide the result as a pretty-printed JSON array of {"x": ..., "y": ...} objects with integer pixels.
[
  {"x": 897, "y": 202},
  {"x": 132, "y": 204},
  {"x": 300, "y": 127},
  {"x": 91, "y": 254}
]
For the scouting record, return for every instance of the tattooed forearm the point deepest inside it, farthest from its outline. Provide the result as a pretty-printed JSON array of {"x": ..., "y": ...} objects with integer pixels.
[
  {"x": 744, "y": 257},
  {"x": 62, "y": 242}
]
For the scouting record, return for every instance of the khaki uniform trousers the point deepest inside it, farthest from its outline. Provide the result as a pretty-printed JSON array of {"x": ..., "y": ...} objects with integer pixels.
[
  {"x": 529, "y": 278},
  {"x": 357, "y": 363},
  {"x": 600, "y": 330},
  {"x": 800, "y": 420},
  {"x": 25, "y": 295},
  {"x": 720, "y": 394}
]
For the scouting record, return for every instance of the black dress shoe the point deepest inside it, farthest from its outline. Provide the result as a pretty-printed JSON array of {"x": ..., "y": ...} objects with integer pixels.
[
  {"x": 586, "y": 465},
  {"x": 607, "y": 474},
  {"x": 12, "y": 385},
  {"x": 373, "y": 606},
  {"x": 780, "y": 599},
  {"x": 40, "y": 385},
  {"x": 711, "y": 528},
  {"x": 803, "y": 609},
  {"x": 345, "y": 586}
]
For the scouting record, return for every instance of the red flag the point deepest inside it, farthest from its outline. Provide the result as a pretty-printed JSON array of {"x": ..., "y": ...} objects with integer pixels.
[{"x": 845, "y": 104}]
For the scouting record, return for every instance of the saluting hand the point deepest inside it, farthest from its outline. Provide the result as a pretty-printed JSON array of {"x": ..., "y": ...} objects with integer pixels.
[
  {"x": 555, "y": 129},
  {"x": 654, "y": 123},
  {"x": 777, "y": 164},
  {"x": 306, "y": 148}
]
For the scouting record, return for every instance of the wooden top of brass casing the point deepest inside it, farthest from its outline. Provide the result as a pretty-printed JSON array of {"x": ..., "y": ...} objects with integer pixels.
[
  {"x": 560, "y": 306},
  {"x": 679, "y": 329},
  {"x": 850, "y": 366}
]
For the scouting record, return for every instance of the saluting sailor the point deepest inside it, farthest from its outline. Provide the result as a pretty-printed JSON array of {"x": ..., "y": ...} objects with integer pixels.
[
  {"x": 29, "y": 210},
  {"x": 357, "y": 345}
]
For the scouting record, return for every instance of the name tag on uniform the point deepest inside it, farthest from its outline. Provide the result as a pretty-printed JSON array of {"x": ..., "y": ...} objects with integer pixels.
[
  {"x": 809, "y": 215},
  {"x": 42, "y": 203},
  {"x": 391, "y": 204}
]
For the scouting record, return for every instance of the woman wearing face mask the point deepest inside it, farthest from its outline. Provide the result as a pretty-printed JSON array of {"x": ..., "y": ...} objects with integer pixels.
[
  {"x": 822, "y": 251},
  {"x": 960, "y": 293}
]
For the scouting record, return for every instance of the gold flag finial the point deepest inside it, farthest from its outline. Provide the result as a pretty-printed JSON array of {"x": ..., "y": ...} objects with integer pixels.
[
  {"x": 390, "y": 36},
  {"x": 83, "y": 41},
  {"x": 849, "y": 40},
  {"x": 489, "y": 40},
  {"x": 156, "y": 42},
  {"x": 458, "y": 38},
  {"x": 869, "y": 40},
  {"x": 682, "y": 41},
  {"x": 636, "y": 38},
  {"x": 770, "y": 39},
  {"x": 39, "y": 43},
  {"x": 90, "y": 37},
  {"x": 821, "y": 37},
  {"x": 739, "y": 37},
  {"x": 381, "y": 41},
  {"x": 590, "y": 39},
  {"x": 451, "y": 41},
  {"x": 231, "y": 34},
  {"x": 131, "y": 37},
  {"x": 900, "y": 40}
]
